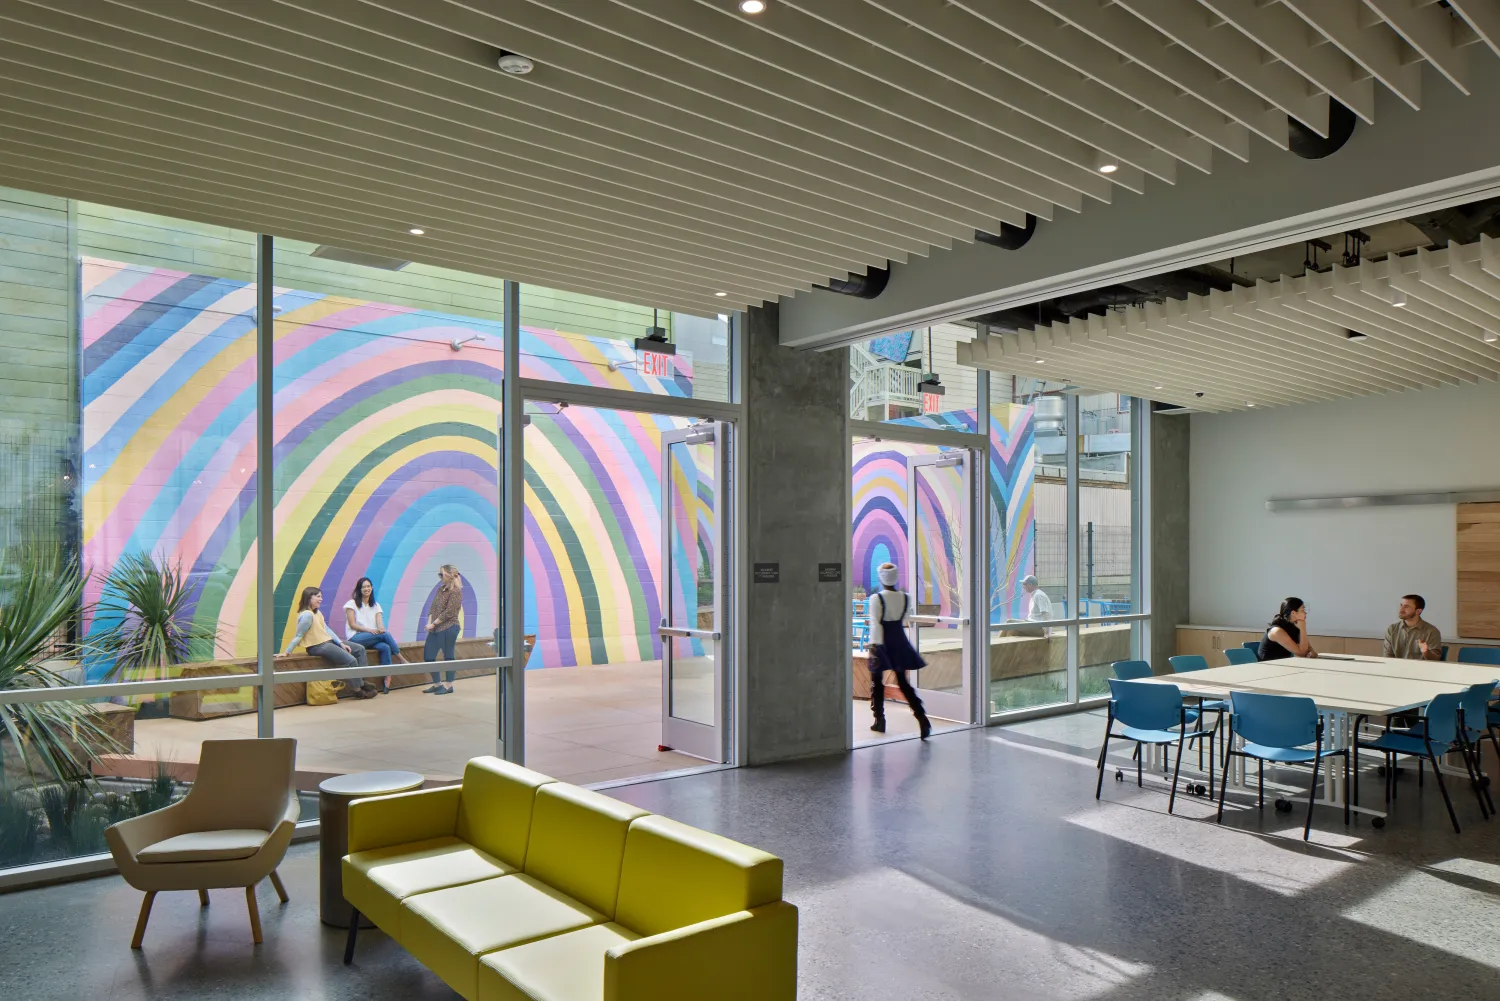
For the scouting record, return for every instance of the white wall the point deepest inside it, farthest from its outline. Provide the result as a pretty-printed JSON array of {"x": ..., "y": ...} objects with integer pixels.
[{"x": 1351, "y": 567}]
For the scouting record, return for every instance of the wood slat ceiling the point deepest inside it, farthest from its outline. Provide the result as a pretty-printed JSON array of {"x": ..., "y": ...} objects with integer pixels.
[
  {"x": 1431, "y": 319},
  {"x": 664, "y": 151}
]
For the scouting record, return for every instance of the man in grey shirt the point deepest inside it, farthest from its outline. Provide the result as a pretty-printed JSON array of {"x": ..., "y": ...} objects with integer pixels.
[{"x": 1413, "y": 638}]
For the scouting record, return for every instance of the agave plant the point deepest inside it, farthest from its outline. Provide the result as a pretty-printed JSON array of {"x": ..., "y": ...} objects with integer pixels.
[
  {"x": 153, "y": 627},
  {"x": 44, "y": 590}
]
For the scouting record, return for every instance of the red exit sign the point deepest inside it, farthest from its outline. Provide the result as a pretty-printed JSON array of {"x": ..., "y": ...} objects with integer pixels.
[
  {"x": 932, "y": 403},
  {"x": 654, "y": 363}
]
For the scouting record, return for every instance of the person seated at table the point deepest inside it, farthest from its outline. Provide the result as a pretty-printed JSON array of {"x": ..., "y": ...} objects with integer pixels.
[
  {"x": 1286, "y": 636},
  {"x": 1413, "y": 637},
  {"x": 312, "y": 630},
  {"x": 364, "y": 622}
]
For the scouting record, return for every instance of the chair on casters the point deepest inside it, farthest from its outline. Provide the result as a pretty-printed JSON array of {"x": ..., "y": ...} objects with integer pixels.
[
  {"x": 1278, "y": 728},
  {"x": 1436, "y": 733},
  {"x": 1239, "y": 655},
  {"x": 1150, "y": 714},
  {"x": 1131, "y": 670},
  {"x": 1474, "y": 704},
  {"x": 1189, "y": 662},
  {"x": 230, "y": 830}
]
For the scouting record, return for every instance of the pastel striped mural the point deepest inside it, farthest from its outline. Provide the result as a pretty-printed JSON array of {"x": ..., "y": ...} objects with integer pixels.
[
  {"x": 881, "y": 487},
  {"x": 385, "y": 461}
]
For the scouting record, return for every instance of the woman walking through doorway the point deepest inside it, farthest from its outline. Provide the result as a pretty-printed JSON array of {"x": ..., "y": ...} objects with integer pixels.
[
  {"x": 890, "y": 650},
  {"x": 443, "y": 625}
]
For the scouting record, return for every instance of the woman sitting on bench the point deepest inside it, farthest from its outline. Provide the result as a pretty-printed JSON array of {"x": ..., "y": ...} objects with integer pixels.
[
  {"x": 312, "y": 630},
  {"x": 364, "y": 624}
]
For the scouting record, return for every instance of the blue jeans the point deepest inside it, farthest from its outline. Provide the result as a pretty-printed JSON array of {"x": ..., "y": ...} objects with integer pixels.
[
  {"x": 440, "y": 639},
  {"x": 337, "y": 656},
  {"x": 384, "y": 644}
]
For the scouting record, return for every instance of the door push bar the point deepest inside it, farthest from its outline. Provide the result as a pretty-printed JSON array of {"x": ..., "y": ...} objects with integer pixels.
[
  {"x": 938, "y": 620},
  {"x": 689, "y": 634}
]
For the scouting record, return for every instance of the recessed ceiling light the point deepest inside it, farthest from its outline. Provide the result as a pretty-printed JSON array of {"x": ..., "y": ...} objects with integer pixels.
[
  {"x": 752, "y": 6},
  {"x": 1490, "y": 337},
  {"x": 1249, "y": 404},
  {"x": 1108, "y": 168},
  {"x": 1356, "y": 335},
  {"x": 721, "y": 294},
  {"x": 416, "y": 231},
  {"x": 1105, "y": 164},
  {"x": 515, "y": 64},
  {"x": 1041, "y": 361},
  {"x": 1398, "y": 298},
  {"x": 1155, "y": 387}
]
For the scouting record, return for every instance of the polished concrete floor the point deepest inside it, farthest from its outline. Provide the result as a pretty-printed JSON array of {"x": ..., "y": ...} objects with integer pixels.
[{"x": 974, "y": 865}]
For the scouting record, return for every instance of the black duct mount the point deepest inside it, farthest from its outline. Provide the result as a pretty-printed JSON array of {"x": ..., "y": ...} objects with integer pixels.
[
  {"x": 865, "y": 286},
  {"x": 1309, "y": 145},
  {"x": 1010, "y": 237}
]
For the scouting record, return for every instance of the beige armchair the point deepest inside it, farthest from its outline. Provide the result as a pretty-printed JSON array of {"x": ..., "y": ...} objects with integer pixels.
[{"x": 230, "y": 830}]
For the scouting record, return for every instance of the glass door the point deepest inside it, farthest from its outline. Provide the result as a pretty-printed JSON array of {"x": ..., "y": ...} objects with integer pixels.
[
  {"x": 694, "y": 481},
  {"x": 938, "y": 537}
]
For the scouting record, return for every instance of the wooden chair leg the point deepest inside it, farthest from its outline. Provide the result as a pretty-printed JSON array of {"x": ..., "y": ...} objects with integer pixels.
[
  {"x": 140, "y": 922},
  {"x": 254, "y": 913},
  {"x": 202, "y": 898},
  {"x": 280, "y": 890}
]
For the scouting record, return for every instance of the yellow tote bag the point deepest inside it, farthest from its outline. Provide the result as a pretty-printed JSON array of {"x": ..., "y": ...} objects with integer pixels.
[{"x": 323, "y": 693}]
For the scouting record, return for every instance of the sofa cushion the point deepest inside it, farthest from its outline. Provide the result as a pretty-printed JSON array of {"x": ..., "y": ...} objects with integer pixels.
[
  {"x": 577, "y": 841},
  {"x": 448, "y": 930},
  {"x": 376, "y": 881},
  {"x": 205, "y": 846},
  {"x": 568, "y": 967},
  {"x": 494, "y": 809},
  {"x": 675, "y": 875}
]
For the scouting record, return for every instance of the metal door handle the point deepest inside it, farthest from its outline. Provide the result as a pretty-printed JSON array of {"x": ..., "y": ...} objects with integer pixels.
[{"x": 695, "y": 634}]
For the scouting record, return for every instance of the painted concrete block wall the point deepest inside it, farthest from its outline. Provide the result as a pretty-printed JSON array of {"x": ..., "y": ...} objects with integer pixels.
[
  {"x": 1350, "y": 566},
  {"x": 797, "y": 515}
]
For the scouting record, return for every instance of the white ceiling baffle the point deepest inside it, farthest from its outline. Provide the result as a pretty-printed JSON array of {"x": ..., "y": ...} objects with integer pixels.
[
  {"x": 681, "y": 153},
  {"x": 1421, "y": 320}
]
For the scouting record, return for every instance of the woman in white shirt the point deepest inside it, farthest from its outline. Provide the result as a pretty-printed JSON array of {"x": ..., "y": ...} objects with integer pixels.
[
  {"x": 891, "y": 650},
  {"x": 364, "y": 621}
]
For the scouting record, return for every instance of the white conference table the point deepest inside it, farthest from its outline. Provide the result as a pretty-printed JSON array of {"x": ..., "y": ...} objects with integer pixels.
[{"x": 1343, "y": 688}]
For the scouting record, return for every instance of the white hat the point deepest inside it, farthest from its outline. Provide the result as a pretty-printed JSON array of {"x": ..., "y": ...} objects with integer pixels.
[
  {"x": 888, "y": 574},
  {"x": 1030, "y": 581}
]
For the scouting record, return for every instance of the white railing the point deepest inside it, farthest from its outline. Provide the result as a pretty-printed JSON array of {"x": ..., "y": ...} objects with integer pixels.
[{"x": 876, "y": 382}]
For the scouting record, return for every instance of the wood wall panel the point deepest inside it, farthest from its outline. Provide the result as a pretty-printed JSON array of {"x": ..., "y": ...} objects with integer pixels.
[{"x": 1479, "y": 570}]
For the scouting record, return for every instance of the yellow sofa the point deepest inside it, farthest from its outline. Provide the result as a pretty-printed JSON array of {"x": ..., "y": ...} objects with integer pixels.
[{"x": 514, "y": 887}]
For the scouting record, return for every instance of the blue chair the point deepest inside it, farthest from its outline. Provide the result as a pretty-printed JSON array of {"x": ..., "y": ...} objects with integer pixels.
[
  {"x": 1253, "y": 646},
  {"x": 1183, "y": 663},
  {"x": 1278, "y": 728},
  {"x": 1239, "y": 655},
  {"x": 1150, "y": 713},
  {"x": 1437, "y": 733},
  {"x": 1474, "y": 704},
  {"x": 1487, "y": 655},
  {"x": 1131, "y": 670}
]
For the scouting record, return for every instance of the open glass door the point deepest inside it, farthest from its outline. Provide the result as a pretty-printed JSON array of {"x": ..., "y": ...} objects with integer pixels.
[
  {"x": 938, "y": 533},
  {"x": 694, "y": 481}
]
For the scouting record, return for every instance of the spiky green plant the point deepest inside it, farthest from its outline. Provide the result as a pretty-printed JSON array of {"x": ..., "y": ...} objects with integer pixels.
[
  {"x": 44, "y": 590},
  {"x": 153, "y": 626}
]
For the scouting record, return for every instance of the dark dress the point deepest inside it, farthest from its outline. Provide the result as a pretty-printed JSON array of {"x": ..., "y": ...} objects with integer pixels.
[
  {"x": 895, "y": 653},
  {"x": 1270, "y": 649}
]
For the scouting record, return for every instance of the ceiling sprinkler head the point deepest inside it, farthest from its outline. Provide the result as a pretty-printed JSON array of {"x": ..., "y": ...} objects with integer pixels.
[{"x": 515, "y": 64}]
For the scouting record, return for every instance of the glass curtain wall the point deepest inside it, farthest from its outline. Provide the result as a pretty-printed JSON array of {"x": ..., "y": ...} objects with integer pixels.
[{"x": 1048, "y": 501}]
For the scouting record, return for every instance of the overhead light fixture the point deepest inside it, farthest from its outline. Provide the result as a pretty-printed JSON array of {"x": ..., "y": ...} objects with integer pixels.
[
  {"x": 1490, "y": 337},
  {"x": 752, "y": 6},
  {"x": 721, "y": 294},
  {"x": 1356, "y": 336},
  {"x": 416, "y": 231},
  {"x": 515, "y": 64},
  {"x": 1398, "y": 298},
  {"x": 1249, "y": 404},
  {"x": 1041, "y": 361},
  {"x": 1105, "y": 164},
  {"x": 1155, "y": 387}
]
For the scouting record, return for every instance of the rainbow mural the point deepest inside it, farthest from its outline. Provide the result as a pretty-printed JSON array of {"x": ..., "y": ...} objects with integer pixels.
[
  {"x": 880, "y": 504},
  {"x": 385, "y": 461}
]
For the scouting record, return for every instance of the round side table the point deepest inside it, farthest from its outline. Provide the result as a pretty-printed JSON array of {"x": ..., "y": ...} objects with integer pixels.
[{"x": 334, "y": 796}]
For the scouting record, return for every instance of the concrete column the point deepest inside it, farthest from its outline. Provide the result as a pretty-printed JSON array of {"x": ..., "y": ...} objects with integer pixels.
[
  {"x": 1168, "y": 472},
  {"x": 797, "y": 487}
]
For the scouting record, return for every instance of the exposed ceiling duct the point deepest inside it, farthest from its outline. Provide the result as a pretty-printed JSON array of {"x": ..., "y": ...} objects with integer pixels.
[
  {"x": 1010, "y": 237},
  {"x": 1430, "y": 318},
  {"x": 866, "y": 286},
  {"x": 1311, "y": 145}
]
